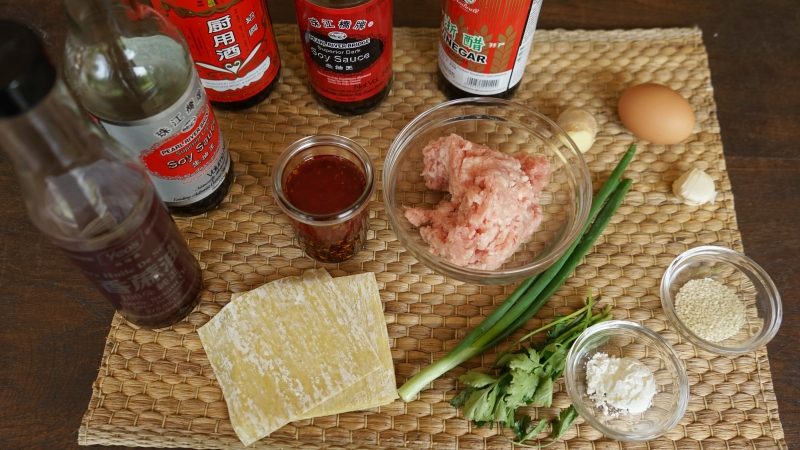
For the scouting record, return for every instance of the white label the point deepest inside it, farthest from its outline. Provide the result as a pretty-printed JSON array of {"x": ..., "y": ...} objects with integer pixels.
[
  {"x": 181, "y": 147},
  {"x": 526, "y": 44},
  {"x": 471, "y": 81}
]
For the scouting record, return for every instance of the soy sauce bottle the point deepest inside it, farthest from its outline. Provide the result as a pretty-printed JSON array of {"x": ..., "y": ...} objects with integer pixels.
[
  {"x": 131, "y": 70},
  {"x": 484, "y": 46},
  {"x": 82, "y": 191},
  {"x": 347, "y": 46},
  {"x": 233, "y": 47}
]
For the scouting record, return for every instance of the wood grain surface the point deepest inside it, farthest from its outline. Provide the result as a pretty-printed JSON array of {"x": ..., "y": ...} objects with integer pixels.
[{"x": 54, "y": 324}]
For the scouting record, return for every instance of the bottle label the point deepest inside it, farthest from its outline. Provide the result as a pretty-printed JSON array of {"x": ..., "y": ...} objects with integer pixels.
[
  {"x": 485, "y": 43},
  {"x": 148, "y": 274},
  {"x": 232, "y": 44},
  {"x": 348, "y": 51},
  {"x": 181, "y": 147}
]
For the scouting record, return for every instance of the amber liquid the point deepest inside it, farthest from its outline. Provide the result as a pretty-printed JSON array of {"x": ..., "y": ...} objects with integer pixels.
[{"x": 147, "y": 273}]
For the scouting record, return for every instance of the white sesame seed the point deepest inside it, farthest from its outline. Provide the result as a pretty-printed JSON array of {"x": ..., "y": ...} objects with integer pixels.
[{"x": 709, "y": 309}]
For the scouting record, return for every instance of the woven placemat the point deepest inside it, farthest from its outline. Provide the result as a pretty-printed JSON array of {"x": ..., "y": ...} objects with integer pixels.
[{"x": 156, "y": 388}]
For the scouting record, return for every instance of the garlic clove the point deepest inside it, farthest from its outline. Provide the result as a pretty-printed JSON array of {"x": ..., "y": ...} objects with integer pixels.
[
  {"x": 580, "y": 126},
  {"x": 695, "y": 187}
]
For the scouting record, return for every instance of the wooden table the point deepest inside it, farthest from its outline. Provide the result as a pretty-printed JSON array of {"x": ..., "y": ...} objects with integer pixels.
[{"x": 54, "y": 324}]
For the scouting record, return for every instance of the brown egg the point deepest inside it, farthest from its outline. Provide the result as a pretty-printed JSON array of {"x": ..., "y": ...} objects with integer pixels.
[{"x": 656, "y": 113}]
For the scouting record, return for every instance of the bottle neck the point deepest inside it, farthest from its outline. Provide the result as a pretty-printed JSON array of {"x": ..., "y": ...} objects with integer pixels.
[
  {"x": 77, "y": 184},
  {"x": 51, "y": 138},
  {"x": 123, "y": 60}
]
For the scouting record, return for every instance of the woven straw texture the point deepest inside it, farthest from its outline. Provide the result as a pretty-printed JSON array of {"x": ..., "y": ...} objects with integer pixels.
[{"x": 156, "y": 388}]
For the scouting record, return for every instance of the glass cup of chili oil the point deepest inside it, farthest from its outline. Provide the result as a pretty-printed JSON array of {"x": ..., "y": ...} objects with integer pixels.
[{"x": 324, "y": 184}]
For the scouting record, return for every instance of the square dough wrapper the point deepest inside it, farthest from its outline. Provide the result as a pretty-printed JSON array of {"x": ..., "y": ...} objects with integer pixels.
[{"x": 283, "y": 350}]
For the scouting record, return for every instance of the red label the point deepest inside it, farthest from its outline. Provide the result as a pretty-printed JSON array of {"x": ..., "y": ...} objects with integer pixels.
[
  {"x": 484, "y": 36},
  {"x": 348, "y": 51},
  {"x": 232, "y": 44},
  {"x": 186, "y": 152}
]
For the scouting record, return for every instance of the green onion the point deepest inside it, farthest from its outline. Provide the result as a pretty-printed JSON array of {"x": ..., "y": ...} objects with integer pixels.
[{"x": 532, "y": 293}]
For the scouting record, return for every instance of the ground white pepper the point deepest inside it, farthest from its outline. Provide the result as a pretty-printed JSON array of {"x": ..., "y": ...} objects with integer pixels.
[{"x": 709, "y": 309}]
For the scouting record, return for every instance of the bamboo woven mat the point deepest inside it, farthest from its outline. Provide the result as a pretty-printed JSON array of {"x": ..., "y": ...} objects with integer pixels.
[{"x": 158, "y": 389}]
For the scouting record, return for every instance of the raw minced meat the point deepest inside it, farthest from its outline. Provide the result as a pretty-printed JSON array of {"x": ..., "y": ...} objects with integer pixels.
[{"x": 493, "y": 205}]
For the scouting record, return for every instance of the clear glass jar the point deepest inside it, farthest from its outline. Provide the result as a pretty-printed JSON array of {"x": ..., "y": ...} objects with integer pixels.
[{"x": 335, "y": 229}]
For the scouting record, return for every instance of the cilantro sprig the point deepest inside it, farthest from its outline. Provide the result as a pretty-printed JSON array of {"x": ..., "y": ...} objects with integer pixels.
[{"x": 525, "y": 377}]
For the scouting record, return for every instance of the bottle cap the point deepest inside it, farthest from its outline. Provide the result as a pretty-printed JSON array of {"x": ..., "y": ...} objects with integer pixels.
[{"x": 26, "y": 74}]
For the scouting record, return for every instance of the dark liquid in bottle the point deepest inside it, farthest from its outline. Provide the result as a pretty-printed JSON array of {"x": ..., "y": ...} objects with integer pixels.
[
  {"x": 354, "y": 108},
  {"x": 328, "y": 184},
  {"x": 148, "y": 273},
  {"x": 208, "y": 203}
]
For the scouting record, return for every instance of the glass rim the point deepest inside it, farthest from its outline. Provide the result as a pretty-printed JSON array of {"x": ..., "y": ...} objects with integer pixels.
[
  {"x": 306, "y": 143},
  {"x": 655, "y": 340},
  {"x": 742, "y": 264},
  {"x": 579, "y": 172}
]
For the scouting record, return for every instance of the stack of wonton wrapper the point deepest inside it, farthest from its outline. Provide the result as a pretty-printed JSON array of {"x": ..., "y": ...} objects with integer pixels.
[{"x": 300, "y": 347}]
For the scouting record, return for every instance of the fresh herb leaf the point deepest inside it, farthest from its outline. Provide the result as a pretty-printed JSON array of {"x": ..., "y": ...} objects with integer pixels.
[
  {"x": 544, "y": 393},
  {"x": 477, "y": 379},
  {"x": 521, "y": 389},
  {"x": 565, "y": 420},
  {"x": 522, "y": 363},
  {"x": 524, "y": 430},
  {"x": 479, "y": 407},
  {"x": 459, "y": 400}
]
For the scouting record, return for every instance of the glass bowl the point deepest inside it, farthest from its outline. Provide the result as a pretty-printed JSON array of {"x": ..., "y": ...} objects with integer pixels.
[
  {"x": 508, "y": 127},
  {"x": 627, "y": 339},
  {"x": 752, "y": 285}
]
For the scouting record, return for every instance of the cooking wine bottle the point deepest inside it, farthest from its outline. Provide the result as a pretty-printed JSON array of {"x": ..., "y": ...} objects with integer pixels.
[
  {"x": 83, "y": 191},
  {"x": 132, "y": 71},
  {"x": 484, "y": 46},
  {"x": 233, "y": 46},
  {"x": 347, "y": 46}
]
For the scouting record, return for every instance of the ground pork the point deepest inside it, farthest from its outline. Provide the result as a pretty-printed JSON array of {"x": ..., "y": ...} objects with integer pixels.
[{"x": 493, "y": 205}]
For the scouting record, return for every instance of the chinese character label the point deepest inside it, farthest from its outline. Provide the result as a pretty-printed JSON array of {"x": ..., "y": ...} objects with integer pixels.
[{"x": 221, "y": 24}]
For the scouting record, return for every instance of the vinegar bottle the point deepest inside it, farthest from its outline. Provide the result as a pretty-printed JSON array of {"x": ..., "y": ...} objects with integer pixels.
[
  {"x": 347, "y": 46},
  {"x": 132, "y": 71},
  {"x": 86, "y": 195},
  {"x": 484, "y": 46},
  {"x": 233, "y": 46}
]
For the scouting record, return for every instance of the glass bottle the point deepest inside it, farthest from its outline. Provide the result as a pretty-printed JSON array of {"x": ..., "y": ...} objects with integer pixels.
[
  {"x": 83, "y": 192},
  {"x": 233, "y": 46},
  {"x": 484, "y": 46},
  {"x": 131, "y": 70},
  {"x": 347, "y": 46}
]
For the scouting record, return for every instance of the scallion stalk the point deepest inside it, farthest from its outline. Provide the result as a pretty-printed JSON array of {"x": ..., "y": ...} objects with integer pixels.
[{"x": 532, "y": 293}]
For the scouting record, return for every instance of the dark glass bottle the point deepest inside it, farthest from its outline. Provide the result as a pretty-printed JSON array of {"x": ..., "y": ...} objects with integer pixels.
[
  {"x": 233, "y": 46},
  {"x": 87, "y": 196},
  {"x": 132, "y": 71},
  {"x": 484, "y": 46},
  {"x": 347, "y": 46}
]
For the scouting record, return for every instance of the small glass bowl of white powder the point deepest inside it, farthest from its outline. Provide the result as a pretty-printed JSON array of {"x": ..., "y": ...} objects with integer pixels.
[
  {"x": 626, "y": 381},
  {"x": 720, "y": 300}
]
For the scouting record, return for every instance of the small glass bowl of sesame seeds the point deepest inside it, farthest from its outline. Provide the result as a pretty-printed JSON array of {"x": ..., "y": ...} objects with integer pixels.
[{"x": 721, "y": 300}]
